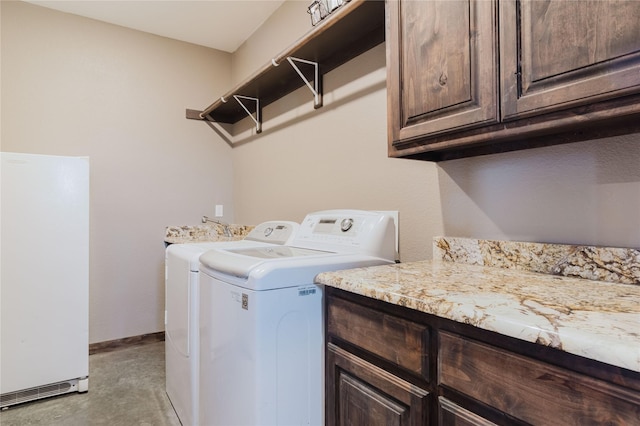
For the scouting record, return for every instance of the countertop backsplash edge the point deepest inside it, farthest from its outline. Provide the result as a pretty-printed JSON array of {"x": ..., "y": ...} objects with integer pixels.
[{"x": 610, "y": 264}]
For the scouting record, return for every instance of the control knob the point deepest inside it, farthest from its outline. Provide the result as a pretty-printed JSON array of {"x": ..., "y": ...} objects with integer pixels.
[{"x": 346, "y": 224}]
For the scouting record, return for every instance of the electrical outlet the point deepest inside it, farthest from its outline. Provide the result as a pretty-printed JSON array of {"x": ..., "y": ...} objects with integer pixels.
[{"x": 219, "y": 210}]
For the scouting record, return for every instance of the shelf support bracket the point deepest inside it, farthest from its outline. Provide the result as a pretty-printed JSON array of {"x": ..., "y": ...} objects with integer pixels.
[
  {"x": 316, "y": 89},
  {"x": 258, "y": 118}
]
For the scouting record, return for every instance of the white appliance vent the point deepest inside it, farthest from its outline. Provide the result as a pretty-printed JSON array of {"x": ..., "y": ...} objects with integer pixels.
[{"x": 12, "y": 398}]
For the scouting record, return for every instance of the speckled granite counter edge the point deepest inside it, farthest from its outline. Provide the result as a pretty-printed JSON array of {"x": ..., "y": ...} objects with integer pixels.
[
  {"x": 592, "y": 319},
  {"x": 204, "y": 233}
]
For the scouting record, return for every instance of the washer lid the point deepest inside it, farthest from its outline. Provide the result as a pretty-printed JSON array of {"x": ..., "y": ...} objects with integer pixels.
[
  {"x": 241, "y": 261},
  {"x": 276, "y": 252}
]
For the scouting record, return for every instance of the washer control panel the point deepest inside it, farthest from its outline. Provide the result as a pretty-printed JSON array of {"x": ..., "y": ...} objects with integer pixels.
[{"x": 355, "y": 231}]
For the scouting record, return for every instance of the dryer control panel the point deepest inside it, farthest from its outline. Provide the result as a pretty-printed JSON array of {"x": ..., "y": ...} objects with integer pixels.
[{"x": 275, "y": 232}]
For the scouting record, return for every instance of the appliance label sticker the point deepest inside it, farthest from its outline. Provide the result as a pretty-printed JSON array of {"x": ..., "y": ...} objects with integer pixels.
[
  {"x": 245, "y": 301},
  {"x": 306, "y": 291}
]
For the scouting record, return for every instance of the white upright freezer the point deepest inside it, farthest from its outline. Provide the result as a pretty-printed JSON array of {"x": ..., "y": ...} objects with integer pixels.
[{"x": 44, "y": 276}]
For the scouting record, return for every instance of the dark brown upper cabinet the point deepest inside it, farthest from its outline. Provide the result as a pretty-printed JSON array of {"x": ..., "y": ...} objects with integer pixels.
[
  {"x": 442, "y": 66},
  {"x": 472, "y": 77},
  {"x": 559, "y": 54}
]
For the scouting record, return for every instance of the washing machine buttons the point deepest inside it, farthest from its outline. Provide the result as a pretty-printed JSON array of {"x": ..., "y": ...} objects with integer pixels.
[{"x": 346, "y": 224}]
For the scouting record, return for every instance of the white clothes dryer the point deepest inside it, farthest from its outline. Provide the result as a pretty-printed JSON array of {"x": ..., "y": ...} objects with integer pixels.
[
  {"x": 182, "y": 308},
  {"x": 262, "y": 339}
]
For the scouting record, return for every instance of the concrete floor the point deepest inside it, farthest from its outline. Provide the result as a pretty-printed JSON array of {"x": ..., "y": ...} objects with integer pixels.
[{"x": 126, "y": 387}]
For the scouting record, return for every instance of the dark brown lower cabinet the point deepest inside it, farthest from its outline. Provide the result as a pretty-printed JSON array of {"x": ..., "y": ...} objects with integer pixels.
[
  {"x": 368, "y": 395},
  {"x": 389, "y": 365},
  {"x": 533, "y": 391},
  {"x": 451, "y": 414}
]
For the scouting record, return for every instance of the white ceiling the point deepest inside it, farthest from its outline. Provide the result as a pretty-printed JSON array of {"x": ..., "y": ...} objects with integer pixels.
[{"x": 220, "y": 24}]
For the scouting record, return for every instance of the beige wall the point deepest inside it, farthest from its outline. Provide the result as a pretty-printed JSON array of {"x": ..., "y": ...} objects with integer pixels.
[
  {"x": 74, "y": 86},
  {"x": 331, "y": 158},
  {"x": 335, "y": 157},
  {"x": 290, "y": 22},
  {"x": 581, "y": 193}
]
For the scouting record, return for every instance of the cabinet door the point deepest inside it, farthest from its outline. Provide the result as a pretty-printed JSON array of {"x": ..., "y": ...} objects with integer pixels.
[
  {"x": 441, "y": 67},
  {"x": 560, "y": 54},
  {"x": 450, "y": 414},
  {"x": 360, "y": 393},
  {"x": 530, "y": 390}
]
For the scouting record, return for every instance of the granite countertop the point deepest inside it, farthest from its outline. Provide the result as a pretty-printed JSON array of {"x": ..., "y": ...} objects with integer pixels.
[
  {"x": 208, "y": 232},
  {"x": 594, "y": 319}
]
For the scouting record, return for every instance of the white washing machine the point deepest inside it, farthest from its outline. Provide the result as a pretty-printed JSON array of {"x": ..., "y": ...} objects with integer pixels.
[
  {"x": 262, "y": 341},
  {"x": 182, "y": 307}
]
